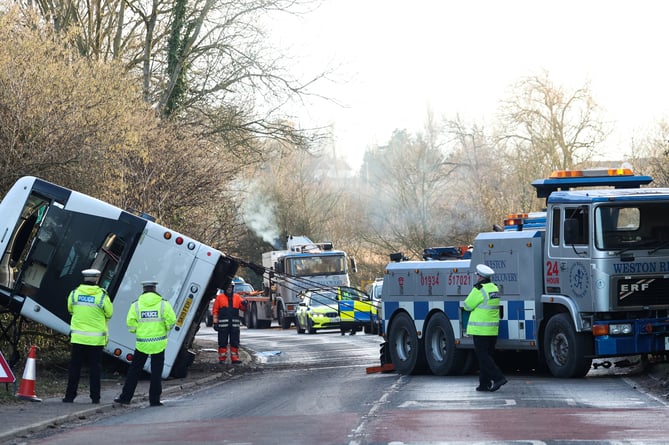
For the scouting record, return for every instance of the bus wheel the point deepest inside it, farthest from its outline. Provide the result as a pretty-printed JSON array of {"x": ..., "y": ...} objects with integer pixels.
[
  {"x": 181, "y": 364},
  {"x": 440, "y": 352},
  {"x": 404, "y": 346},
  {"x": 566, "y": 351}
]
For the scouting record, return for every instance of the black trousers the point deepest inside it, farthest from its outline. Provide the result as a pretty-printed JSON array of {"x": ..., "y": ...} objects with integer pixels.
[
  {"x": 92, "y": 356},
  {"x": 135, "y": 371},
  {"x": 228, "y": 329},
  {"x": 484, "y": 346}
]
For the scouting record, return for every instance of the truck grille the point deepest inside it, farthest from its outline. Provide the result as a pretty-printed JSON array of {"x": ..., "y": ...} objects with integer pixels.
[{"x": 642, "y": 291}]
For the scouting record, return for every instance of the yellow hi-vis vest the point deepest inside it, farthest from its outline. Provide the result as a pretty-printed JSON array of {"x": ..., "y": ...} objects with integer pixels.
[
  {"x": 91, "y": 308},
  {"x": 150, "y": 318},
  {"x": 484, "y": 307}
]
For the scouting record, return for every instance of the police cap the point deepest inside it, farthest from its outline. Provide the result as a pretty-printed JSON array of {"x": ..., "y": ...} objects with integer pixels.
[
  {"x": 91, "y": 273},
  {"x": 484, "y": 271},
  {"x": 149, "y": 283}
]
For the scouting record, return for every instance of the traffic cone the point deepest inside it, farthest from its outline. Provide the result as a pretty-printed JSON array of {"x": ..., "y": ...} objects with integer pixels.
[{"x": 27, "y": 388}]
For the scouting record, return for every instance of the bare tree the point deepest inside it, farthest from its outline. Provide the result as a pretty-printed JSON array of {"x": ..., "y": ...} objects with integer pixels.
[
  {"x": 478, "y": 192},
  {"x": 294, "y": 193},
  {"x": 203, "y": 62},
  {"x": 544, "y": 127},
  {"x": 650, "y": 154},
  {"x": 85, "y": 126},
  {"x": 60, "y": 116},
  {"x": 408, "y": 189}
]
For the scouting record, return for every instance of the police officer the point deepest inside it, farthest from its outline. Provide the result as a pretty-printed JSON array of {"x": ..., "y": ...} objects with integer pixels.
[
  {"x": 226, "y": 321},
  {"x": 91, "y": 308},
  {"x": 483, "y": 303},
  {"x": 150, "y": 318}
]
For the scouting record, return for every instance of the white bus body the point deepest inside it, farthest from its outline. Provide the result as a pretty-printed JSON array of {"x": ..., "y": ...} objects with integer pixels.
[{"x": 49, "y": 234}]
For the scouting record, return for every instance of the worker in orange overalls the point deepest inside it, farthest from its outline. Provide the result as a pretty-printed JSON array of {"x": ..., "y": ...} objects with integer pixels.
[{"x": 226, "y": 313}]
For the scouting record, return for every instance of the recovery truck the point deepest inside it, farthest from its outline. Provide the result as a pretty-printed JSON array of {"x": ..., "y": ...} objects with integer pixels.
[
  {"x": 49, "y": 234},
  {"x": 586, "y": 278},
  {"x": 303, "y": 265}
]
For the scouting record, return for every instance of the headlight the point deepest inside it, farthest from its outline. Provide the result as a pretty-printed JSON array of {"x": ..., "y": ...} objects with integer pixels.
[{"x": 620, "y": 329}]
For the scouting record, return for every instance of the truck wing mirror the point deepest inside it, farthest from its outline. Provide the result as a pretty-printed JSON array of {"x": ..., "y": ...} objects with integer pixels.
[{"x": 354, "y": 266}]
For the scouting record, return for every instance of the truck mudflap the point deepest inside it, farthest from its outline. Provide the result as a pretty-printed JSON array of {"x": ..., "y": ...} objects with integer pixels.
[{"x": 647, "y": 336}]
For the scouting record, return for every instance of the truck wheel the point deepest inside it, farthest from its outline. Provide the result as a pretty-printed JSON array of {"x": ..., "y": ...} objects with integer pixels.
[
  {"x": 404, "y": 346},
  {"x": 253, "y": 317},
  {"x": 257, "y": 324},
  {"x": 566, "y": 351},
  {"x": 383, "y": 354},
  {"x": 248, "y": 319},
  {"x": 440, "y": 352},
  {"x": 284, "y": 321}
]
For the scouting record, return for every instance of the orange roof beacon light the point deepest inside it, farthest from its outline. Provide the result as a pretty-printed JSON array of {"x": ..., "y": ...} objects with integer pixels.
[
  {"x": 622, "y": 177},
  {"x": 592, "y": 173}
]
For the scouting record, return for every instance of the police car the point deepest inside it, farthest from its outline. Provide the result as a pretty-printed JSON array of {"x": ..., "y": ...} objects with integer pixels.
[{"x": 318, "y": 309}]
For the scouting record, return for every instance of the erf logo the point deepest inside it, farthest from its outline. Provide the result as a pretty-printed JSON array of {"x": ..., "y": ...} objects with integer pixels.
[
  {"x": 629, "y": 289},
  {"x": 634, "y": 287},
  {"x": 400, "y": 281}
]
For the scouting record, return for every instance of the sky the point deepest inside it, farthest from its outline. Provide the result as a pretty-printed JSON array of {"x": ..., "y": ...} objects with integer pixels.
[{"x": 396, "y": 59}]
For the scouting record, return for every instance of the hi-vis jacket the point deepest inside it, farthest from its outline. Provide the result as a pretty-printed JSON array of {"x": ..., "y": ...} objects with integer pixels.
[
  {"x": 223, "y": 310},
  {"x": 150, "y": 318},
  {"x": 483, "y": 304},
  {"x": 90, "y": 308}
]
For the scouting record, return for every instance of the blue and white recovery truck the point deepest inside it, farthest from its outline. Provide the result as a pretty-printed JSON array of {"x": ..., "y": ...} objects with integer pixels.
[{"x": 587, "y": 278}]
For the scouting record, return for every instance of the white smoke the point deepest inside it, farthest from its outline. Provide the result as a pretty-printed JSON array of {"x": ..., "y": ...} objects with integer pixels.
[{"x": 259, "y": 214}]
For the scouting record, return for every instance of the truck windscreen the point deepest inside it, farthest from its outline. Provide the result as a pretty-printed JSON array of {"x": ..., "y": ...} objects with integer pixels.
[
  {"x": 631, "y": 226},
  {"x": 317, "y": 265}
]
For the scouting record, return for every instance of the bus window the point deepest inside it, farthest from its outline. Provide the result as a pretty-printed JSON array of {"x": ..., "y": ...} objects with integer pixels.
[
  {"x": 23, "y": 237},
  {"x": 108, "y": 259}
]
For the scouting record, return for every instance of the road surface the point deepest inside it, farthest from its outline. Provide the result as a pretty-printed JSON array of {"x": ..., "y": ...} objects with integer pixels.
[{"x": 314, "y": 389}]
